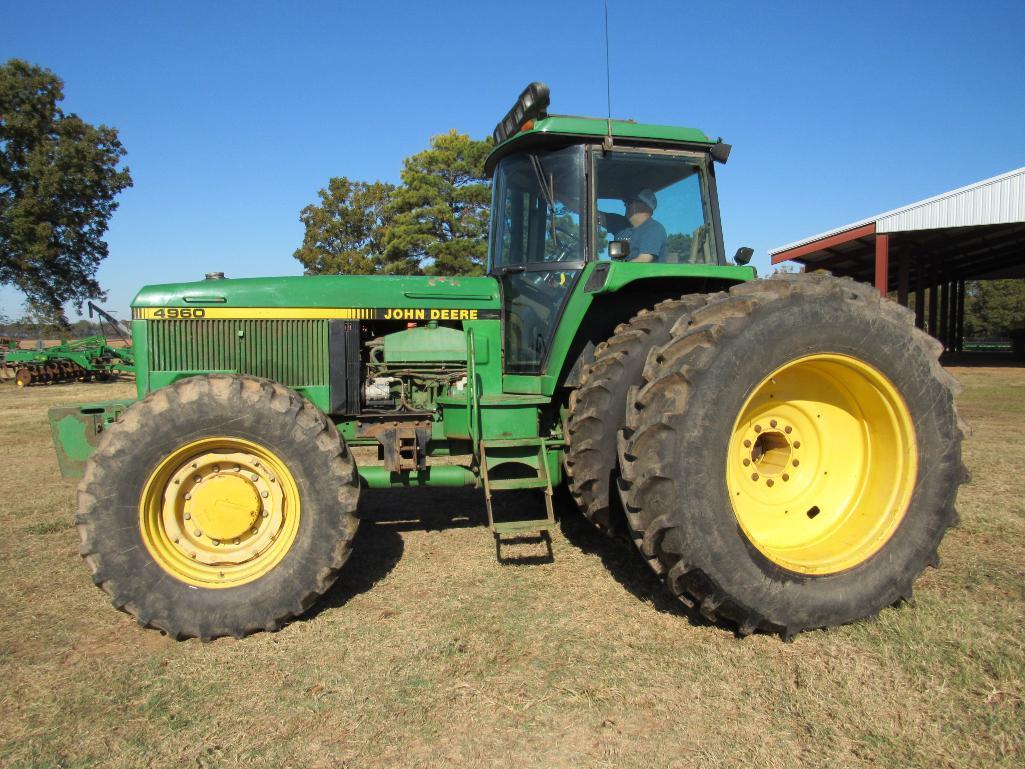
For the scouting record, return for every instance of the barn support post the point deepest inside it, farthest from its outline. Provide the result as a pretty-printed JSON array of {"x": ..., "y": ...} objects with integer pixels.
[
  {"x": 919, "y": 292},
  {"x": 933, "y": 297},
  {"x": 883, "y": 263},
  {"x": 944, "y": 310},
  {"x": 960, "y": 315},
  {"x": 903, "y": 270},
  {"x": 952, "y": 317}
]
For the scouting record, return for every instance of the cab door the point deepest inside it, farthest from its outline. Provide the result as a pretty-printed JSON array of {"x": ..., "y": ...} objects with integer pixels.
[{"x": 537, "y": 248}]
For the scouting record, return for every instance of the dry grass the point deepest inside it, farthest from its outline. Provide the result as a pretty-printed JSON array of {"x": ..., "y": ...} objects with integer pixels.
[{"x": 429, "y": 653}]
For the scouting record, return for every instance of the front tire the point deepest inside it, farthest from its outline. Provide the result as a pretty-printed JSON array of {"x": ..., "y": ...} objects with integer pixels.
[
  {"x": 220, "y": 505},
  {"x": 793, "y": 456}
]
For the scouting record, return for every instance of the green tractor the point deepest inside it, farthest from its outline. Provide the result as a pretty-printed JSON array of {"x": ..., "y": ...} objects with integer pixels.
[{"x": 785, "y": 453}]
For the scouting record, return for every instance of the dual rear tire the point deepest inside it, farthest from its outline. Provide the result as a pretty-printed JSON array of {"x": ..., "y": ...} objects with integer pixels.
[{"x": 790, "y": 456}]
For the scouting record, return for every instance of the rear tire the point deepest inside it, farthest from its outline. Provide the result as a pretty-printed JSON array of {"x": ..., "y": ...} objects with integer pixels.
[
  {"x": 218, "y": 506},
  {"x": 597, "y": 408},
  {"x": 772, "y": 544}
]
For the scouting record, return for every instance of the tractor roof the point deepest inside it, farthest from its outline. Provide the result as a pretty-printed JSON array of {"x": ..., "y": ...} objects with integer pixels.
[{"x": 528, "y": 126}]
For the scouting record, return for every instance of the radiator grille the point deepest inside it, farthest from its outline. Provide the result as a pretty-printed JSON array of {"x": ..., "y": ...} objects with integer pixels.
[{"x": 292, "y": 352}]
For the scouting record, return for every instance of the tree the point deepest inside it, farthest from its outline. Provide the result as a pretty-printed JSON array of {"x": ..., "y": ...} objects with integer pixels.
[
  {"x": 59, "y": 176},
  {"x": 994, "y": 307},
  {"x": 436, "y": 221},
  {"x": 343, "y": 233},
  {"x": 440, "y": 214}
]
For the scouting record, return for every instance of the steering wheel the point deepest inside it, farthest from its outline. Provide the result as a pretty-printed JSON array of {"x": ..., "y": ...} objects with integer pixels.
[{"x": 566, "y": 242}]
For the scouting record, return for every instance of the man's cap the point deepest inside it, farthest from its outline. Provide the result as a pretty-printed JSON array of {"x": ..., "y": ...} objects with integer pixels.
[{"x": 647, "y": 197}]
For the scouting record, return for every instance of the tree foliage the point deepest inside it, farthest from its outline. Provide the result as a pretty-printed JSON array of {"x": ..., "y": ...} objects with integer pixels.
[
  {"x": 994, "y": 307},
  {"x": 343, "y": 232},
  {"x": 59, "y": 176},
  {"x": 435, "y": 222}
]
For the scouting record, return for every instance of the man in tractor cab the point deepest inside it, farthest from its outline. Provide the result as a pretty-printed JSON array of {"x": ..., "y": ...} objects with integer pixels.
[{"x": 646, "y": 236}]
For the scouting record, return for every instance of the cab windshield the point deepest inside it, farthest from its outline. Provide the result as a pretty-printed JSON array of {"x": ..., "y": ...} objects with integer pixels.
[{"x": 537, "y": 207}]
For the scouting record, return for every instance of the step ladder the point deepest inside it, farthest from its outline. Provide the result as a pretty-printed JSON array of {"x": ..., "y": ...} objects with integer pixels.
[{"x": 531, "y": 450}]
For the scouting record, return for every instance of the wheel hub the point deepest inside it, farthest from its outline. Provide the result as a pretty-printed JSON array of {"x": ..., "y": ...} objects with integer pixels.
[
  {"x": 220, "y": 512},
  {"x": 821, "y": 464},
  {"x": 224, "y": 506}
]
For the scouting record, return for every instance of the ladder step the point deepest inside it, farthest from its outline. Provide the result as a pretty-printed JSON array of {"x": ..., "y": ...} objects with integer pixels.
[
  {"x": 518, "y": 527},
  {"x": 508, "y": 484}
]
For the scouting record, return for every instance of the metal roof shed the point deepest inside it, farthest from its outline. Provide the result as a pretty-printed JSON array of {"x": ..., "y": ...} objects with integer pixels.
[{"x": 972, "y": 233}]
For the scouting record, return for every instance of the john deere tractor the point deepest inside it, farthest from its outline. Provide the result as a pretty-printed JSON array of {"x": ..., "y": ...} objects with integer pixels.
[{"x": 785, "y": 453}]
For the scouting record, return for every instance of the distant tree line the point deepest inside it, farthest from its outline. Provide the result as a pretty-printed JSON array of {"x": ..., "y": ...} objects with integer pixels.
[
  {"x": 28, "y": 327},
  {"x": 994, "y": 307}
]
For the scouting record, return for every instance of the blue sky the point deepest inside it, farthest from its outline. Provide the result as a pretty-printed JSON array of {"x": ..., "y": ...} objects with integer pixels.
[{"x": 235, "y": 114}]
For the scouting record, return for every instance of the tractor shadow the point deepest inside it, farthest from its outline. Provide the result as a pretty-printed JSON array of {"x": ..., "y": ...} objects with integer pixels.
[
  {"x": 625, "y": 565},
  {"x": 378, "y": 546},
  {"x": 386, "y": 514}
]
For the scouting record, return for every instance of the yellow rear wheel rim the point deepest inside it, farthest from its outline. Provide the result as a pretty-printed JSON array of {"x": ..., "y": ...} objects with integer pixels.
[
  {"x": 219, "y": 512},
  {"x": 822, "y": 463}
]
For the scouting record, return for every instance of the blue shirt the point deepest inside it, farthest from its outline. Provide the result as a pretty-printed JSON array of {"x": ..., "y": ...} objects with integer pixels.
[{"x": 647, "y": 238}]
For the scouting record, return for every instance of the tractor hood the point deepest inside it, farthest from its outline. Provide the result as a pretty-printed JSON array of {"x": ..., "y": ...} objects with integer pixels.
[{"x": 357, "y": 297}]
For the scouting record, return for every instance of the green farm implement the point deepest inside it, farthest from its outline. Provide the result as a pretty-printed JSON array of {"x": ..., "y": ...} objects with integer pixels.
[
  {"x": 77, "y": 361},
  {"x": 784, "y": 453},
  {"x": 80, "y": 360}
]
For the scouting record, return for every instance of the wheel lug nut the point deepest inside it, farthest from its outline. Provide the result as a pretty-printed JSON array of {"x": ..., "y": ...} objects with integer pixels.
[
  {"x": 197, "y": 532},
  {"x": 797, "y": 444},
  {"x": 237, "y": 541},
  {"x": 188, "y": 516},
  {"x": 758, "y": 428},
  {"x": 769, "y": 482},
  {"x": 786, "y": 477},
  {"x": 237, "y": 468},
  {"x": 217, "y": 541},
  {"x": 271, "y": 479},
  {"x": 217, "y": 468},
  {"x": 264, "y": 514},
  {"x": 772, "y": 423},
  {"x": 754, "y": 476},
  {"x": 265, "y": 494},
  {"x": 254, "y": 476},
  {"x": 747, "y": 462},
  {"x": 747, "y": 444},
  {"x": 797, "y": 462},
  {"x": 788, "y": 429},
  {"x": 198, "y": 479},
  {"x": 188, "y": 496}
]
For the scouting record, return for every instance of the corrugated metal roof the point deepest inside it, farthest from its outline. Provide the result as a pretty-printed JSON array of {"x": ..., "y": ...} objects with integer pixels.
[{"x": 999, "y": 200}]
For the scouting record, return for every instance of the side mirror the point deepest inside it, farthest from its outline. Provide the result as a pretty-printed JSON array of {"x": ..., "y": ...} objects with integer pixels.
[
  {"x": 619, "y": 249},
  {"x": 743, "y": 255}
]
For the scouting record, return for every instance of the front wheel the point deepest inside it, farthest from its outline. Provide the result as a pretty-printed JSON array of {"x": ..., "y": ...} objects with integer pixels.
[
  {"x": 792, "y": 457},
  {"x": 220, "y": 505}
]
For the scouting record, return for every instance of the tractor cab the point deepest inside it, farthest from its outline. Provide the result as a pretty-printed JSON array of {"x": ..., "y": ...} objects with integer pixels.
[{"x": 569, "y": 192}]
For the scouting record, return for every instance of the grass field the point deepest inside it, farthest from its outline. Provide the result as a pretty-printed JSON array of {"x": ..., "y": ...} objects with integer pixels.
[{"x": 428, "y": 653}]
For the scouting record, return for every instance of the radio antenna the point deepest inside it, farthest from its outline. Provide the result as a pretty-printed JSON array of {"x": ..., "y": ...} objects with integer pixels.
[{"x": 608, "y": 81}]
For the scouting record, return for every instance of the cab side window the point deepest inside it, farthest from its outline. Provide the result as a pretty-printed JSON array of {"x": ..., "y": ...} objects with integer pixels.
[{"x": 656, "y": 203}]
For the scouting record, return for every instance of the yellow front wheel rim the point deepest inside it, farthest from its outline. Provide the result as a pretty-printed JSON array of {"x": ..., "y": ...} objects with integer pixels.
[
  {"x": 822, "y": 463},
  {"x": 219, "y": 512}
]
